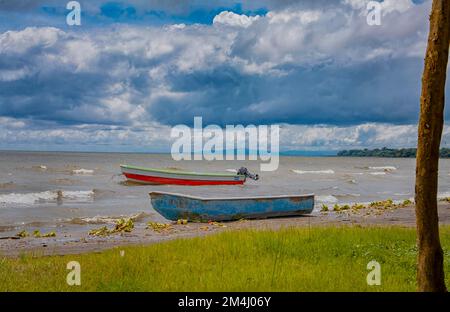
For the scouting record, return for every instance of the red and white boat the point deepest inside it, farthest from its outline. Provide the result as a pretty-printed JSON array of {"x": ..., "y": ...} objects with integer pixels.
[{"x": 164, "y": 176}]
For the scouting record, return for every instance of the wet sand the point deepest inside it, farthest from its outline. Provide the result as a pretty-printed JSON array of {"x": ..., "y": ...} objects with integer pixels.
[{"x": 73, "y": 241}]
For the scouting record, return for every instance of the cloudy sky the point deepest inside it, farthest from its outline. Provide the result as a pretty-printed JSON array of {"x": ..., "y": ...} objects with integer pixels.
[{"x": 135, "y": 68}]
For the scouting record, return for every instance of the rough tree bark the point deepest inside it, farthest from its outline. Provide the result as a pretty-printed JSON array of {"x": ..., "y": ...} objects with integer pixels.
[{"x": 430, "y": 269}]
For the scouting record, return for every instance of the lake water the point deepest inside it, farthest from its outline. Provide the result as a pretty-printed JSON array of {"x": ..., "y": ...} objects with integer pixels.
[{"x": 93, "y": 191}]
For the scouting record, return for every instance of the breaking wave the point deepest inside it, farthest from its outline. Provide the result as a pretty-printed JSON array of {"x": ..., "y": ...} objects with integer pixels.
[
  {"x": 328, "y": 171},
  {"x": 378, "y": 173},
  {"x": 384, "y": 168},
  {"x": 47, "y": 196},
  {"x": 443, "y": 195},
  {"x": 349, "y": 195},
  {"x": 330, "y": 199},
  {"x": 40, "y": 167},
  {"x": 107, "y": 219},
  {"x": 402, "y": 194},
  {"x": 83, "y": 171}
]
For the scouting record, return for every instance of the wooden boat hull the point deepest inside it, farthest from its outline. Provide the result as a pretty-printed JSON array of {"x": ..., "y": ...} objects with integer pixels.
[
  {"x": 174, "y": 206},
  {"x": 159, "y": 176}
]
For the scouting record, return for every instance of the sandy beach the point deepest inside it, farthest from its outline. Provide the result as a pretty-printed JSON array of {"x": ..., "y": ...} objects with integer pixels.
[{"x": 75, "y": 242}]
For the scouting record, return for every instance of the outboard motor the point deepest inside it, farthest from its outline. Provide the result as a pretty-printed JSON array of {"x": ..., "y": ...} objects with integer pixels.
[{"x": 244, "y": 171}]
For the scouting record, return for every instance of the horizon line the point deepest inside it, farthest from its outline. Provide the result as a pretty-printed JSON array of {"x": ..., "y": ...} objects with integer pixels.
[{"x": 281, "y": 153}]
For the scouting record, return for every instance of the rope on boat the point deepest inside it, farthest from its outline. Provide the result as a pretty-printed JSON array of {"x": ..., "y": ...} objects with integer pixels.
[{"x": 248, "y": 174}]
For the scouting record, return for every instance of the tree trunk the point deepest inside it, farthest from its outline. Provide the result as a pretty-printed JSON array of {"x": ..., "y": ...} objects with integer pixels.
[{"x": 430, "y": 269}]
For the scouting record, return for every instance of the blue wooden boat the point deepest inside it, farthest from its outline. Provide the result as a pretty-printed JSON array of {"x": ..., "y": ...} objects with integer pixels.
[{"x": 174, "y": 206}]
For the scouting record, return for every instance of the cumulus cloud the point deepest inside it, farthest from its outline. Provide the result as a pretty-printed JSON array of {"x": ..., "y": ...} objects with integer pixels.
[
  {"x": 155, "y": 137},
  {"x": 387, "y": 6},
  {"x": 364, "y": 135},
  {"x": 300, "y": 64},
  {"x": 233, "y": 19},
  {"x": 26, "y": 134}
]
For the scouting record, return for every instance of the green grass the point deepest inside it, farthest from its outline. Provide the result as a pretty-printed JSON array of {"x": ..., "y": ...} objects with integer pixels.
[{"x": 294, "y": 259}]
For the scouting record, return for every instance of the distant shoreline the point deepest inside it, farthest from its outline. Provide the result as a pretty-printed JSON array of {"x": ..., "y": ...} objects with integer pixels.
[{"x": 388, "y": 153}]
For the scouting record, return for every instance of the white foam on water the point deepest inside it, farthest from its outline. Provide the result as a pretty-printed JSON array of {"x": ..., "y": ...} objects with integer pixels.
[
  {"x": 385, "y": 168},
  {"x": 77, "y": 195},
  {"x": 347, "y": 195},
  {"x": 232, "y": 170},
  {"x": 108, "y": 219},
  {"x": 402, "y": 194},
  {"x": 94, "y": 220},
  {"x": 39, "y": 167},
  {"x": 329, "y": 199},
  {"x": 328, "y": 171},
  {"x": 378, "y": 173},
  {"x": 27, "y": 198},
  {"x": 443, "y": 195},
  {"x": 83, "y": 171},
  {"x": 47, "y": 196}
]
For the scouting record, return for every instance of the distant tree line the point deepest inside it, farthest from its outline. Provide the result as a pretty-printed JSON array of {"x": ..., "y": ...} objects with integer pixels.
[{"x": 389, "y": 152}]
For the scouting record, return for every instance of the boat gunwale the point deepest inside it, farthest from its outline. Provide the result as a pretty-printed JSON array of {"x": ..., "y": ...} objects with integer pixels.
[
  {"x": 306, "y": 196},
  {"x": 180, "y": 172}
]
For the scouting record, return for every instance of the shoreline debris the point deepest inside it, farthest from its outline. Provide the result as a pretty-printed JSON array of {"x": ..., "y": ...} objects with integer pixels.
[{"x": 122, "y": 225}]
